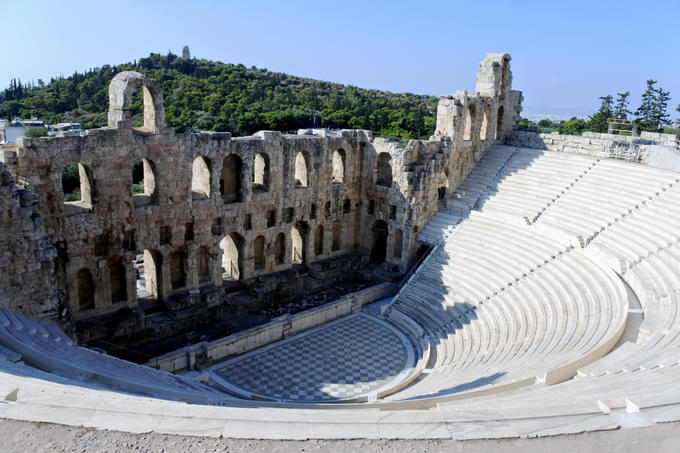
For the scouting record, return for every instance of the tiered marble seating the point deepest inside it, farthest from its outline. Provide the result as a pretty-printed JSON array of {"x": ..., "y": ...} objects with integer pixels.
[
  {"x": 609, "y": 191},
  {"x": 45, "y": 347},
  {"x": 532, "y": 180},
  {"x": 505, "y": 306}
]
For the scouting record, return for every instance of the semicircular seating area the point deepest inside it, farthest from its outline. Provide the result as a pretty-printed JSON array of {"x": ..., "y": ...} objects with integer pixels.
[{"x": 552, "y": 290}]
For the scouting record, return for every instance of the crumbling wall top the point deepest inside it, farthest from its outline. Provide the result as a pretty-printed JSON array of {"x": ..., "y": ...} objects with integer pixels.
[{"x": 493, "y": 75}]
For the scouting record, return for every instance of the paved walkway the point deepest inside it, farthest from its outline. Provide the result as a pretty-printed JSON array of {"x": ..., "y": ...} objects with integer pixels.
[{"x": 352, "y": 357}]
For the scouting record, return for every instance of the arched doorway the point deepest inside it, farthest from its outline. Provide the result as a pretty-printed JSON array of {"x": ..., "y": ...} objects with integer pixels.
[
  {"x": 379, "y": 244},
  {"x": 85, "y": 289},
  {"x": 280, "y": 248},
  {"x": 232, "y": 261},
  {"x": 318, "y": 240},
  {"x": 118, "y": 282},
  {"x": 258, "y": 252},
  {"x": 298, "y": 239}
]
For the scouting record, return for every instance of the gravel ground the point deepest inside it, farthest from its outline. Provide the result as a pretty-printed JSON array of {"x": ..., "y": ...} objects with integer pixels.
[{"x": 44, "y": 437}]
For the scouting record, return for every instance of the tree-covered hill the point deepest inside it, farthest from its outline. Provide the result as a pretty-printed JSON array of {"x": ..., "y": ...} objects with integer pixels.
[{"x": 207, "y": 95}]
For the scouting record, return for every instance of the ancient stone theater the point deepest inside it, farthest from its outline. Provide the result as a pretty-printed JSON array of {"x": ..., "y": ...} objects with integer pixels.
[{"x": 487, "y": 282}]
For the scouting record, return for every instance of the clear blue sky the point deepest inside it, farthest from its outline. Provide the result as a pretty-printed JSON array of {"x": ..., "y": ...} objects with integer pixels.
[{"x": 565, "y": 54}]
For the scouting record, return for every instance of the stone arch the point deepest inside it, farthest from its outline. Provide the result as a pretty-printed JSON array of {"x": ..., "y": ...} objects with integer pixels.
[
  {"x": 280, "y": 248},
  {"x": 384, "y": 170},
  {"x": 318, "y": 240},
  {"x": 203, "y": 264},
  {"x": 120, "y": 99},
  {"x": 379, "y": 242},
  {"x": 200, "y": 178},
  {"x": 85, "y": 285},
  {"x": 469, "y": 122},
  {"x": 118, "y": 282},
  {"x": 77, "y": 185},
  {"x": 301, "y": 169},
  {"x": 258, "y": 252},
  {"x": 443, "y": 184},
  {"x": 298, "y": 239},
  {"x": 153, "y": 273},
  {"x": 338, "y": 163},
  {"x": 232, "y": 256},
  {"x": 337, "y": 236},
  {"x": 486, "y": 120},
  {"x": 397, "y": 243},
  {"x": 144, "y": 187},
  {"x": 261, "y": 172},
  {"x": 178, "y": 275},
  {"x": 499, "y": 123},
  {"x": 230, "y": 179}
]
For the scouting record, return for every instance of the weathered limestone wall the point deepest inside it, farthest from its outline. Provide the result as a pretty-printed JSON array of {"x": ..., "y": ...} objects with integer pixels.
[
  {"x": 216, "y": 207},
  {"x": 593, "y": 143},
  {"x": 27, "y": 279}
]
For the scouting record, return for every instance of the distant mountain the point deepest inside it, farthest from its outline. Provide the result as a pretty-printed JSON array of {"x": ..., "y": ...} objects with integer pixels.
[{"x": 208, "y": 95}]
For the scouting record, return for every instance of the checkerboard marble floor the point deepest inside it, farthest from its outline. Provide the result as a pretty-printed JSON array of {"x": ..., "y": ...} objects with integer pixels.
[{"x": 348, "y": 358}]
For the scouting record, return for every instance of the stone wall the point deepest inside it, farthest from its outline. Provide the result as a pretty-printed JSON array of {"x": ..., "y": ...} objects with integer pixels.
[
  {"x": 215, "y": 208},
  {"x": 27, "y": 278},
  {"x": 595, "y": 144}
]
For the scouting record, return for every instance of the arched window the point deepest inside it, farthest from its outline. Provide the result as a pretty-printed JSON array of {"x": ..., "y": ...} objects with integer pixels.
[
  {"x": 499, "y": 123},
  {"x": 469, "y": 122},
  {"x": 339, "y": 165},
  {"x": 200, "y": 178},
  {"x": 85, "y": 289},
  {"x": 337, "y": 239},
  {"x": 203, "y": 259},
  {"x": 280, "y": 248},
  {"x": 118, "y": 282},
  {"x": 75, "y": 182},
  {"x": 484, "y": 131},
  {"x": 318, "y": 240},
  {"x": 230, "y": 180},
  {"x": 384, "y": 170},
  {"x": 231, "y": 246},
  {"x": 397, "y": 245},
  {"x": 177, "y": 270},
  {"x": 261, "y": 172},
  {"x": 258, "y": 255},
  {"x": 144, "y": 182},
  {"x": 301, "y": 169}
]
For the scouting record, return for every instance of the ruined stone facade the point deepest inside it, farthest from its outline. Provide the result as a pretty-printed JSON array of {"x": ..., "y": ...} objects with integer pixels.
[
  {"x": 27, "y": 279},
  {"x": 216, "y": 208}
]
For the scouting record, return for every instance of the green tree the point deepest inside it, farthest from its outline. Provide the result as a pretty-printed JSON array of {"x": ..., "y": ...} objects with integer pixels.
[
  {"x": 652, "y": 114},
  {"x": 35, "y": 132},
  {"x": 645, "y": 113},
  {"x": 598, "y": 121},
  {"x": 621, "y": 107},
  {"x": 660, "y": 111}
]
